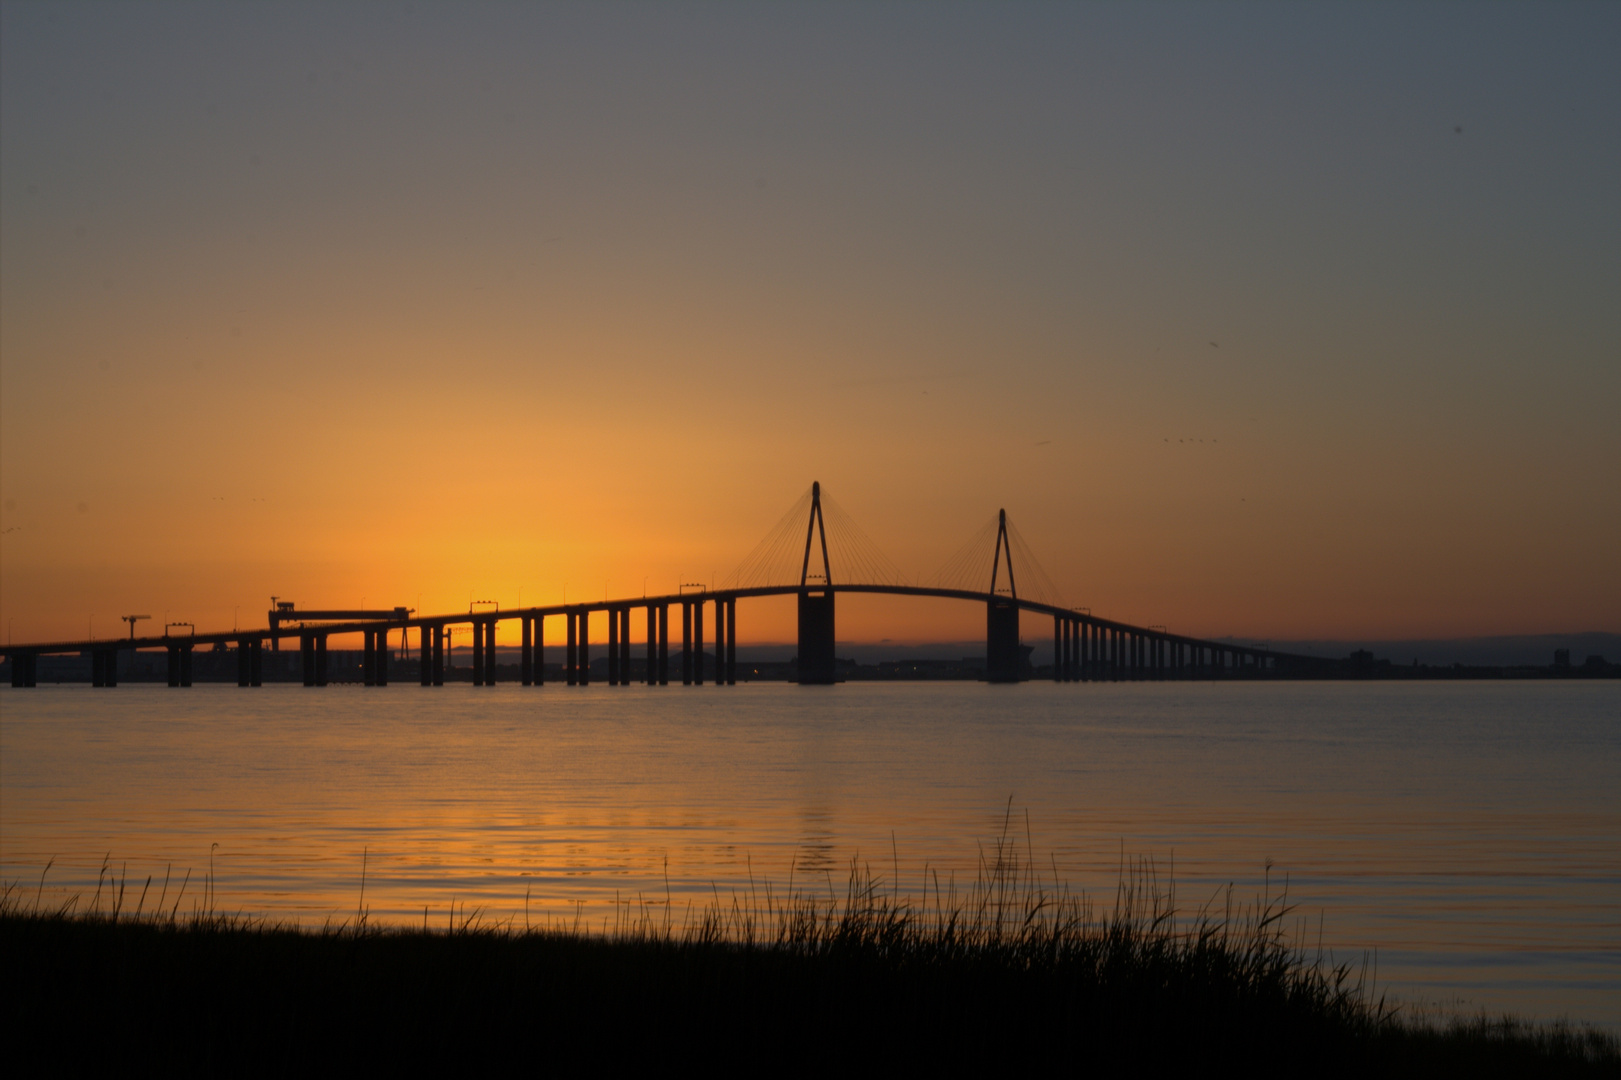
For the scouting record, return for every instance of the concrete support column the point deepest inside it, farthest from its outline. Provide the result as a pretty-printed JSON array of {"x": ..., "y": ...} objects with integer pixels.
[
  {"x": 1059, "y": 655},
  {"x": 383, "y": 655},
  {"x": 368, "y": 662},
  {"x": 816, "y": 628},
  {"x": 585, "y": 647},
  {"x": 540, "y": 650},
  {"x": 439, "y": 655},
  {"x": 244, "y": 676},
  {"x": 686, "y": 643},
  {"x": 489, "y": 652},
  {"x": 526, "y": 658},
  {"x": 731, "y": 642},
  {"x": 664, "y": 644},
  {"x": 1001, "y": 641},
  {"x": 256, "y": 662},
  {"x": 478, "y": 653},
  {"x": 719, "y": 670},
  {"x": 185, "y": 665},
  {"x": 698, "y": 643},
  {"x": 425, "y": 655},
  {"x": 613, "y": 646},
  {"x": 320, "y": 659},
  {"x": 24, "y": 669},
  {"x": 624, "y": 646},
  {"x": 652, "y": 645},
  {"x": 571, "y": 660}
]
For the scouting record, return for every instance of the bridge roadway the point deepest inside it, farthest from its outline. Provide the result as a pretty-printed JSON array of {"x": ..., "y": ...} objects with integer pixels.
[{"x": 1086, "y": 647}]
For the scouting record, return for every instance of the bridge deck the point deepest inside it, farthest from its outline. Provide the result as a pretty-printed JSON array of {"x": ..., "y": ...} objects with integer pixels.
[{"x": 292, "y": 628}]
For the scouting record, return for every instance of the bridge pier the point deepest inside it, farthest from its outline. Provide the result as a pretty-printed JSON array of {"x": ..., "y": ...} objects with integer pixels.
[
  {"x": 585, "y": 647},
  {"x": 540, "y": 650},
  {"x": 179, "y": 665},
  {"x": 103, "y": 667},
  {"x": 571, "y": 655},
  {"x": 652, "y": 644},
  {"x": 731, "y": 641},
  {"x": 624, "y": 645},
  {"x": 698, "y": 643},
  {"x": 368, "y": 661},
  {"x": 478, "y": 653},
  {"x": 244, "y": 662},
  {"x": 526, "y": 655},
  {"x": 686, "y": 643},
  {"x": 24, "y": 669},
  {"x": 664, "y": 644},
  {"x": 1001, "y": 641},
  {"x": 720, "y": 641},
  {"x": 425, "y": 655},
  {"x": 382, "y": 656},
  {"x": 613, "y": 646},
  {"x": 439, "y": 654},
  {"x": 816, "y": 661},
  {"x": 489, "y": 652}
]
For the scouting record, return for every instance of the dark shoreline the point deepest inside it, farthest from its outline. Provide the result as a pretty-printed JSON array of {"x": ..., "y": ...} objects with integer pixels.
[{"x": 1005, "y": 975}]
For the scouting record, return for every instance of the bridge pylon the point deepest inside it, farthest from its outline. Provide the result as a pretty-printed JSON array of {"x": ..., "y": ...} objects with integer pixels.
[
  {"x": 1002, "y": 655},
  {"x": 816, "y": 664}
]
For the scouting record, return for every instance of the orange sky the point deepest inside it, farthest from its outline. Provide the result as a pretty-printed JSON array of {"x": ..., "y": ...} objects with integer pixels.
[{"x": 518, "y": 305}]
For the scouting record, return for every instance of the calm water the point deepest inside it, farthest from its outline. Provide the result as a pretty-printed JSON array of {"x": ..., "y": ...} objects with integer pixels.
[{"x": 1470, "y": 833}]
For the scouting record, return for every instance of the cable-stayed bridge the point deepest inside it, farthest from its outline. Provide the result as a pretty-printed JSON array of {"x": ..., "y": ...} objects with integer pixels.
[{"x": 815, "y": 552}]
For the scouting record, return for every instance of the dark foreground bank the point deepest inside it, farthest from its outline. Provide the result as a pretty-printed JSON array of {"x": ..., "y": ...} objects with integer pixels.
[{"x": 1006, "y": 975}]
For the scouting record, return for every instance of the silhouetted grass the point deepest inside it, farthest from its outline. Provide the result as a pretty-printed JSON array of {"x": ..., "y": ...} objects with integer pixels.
[{"x": 1011, "y": 971}]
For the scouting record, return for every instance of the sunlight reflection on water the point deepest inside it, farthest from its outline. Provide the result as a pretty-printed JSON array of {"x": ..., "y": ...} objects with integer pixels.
[{"x": 1467, "y": 831}]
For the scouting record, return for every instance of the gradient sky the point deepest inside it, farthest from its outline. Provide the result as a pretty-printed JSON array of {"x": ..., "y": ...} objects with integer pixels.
[{"x": 1277, "y": 321}]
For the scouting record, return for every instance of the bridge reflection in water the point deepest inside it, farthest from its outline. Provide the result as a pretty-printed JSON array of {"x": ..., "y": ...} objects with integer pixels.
[{"x": 1085, "y": 647}]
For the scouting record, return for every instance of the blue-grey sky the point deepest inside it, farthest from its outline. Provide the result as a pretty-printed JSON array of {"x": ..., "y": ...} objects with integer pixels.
[{"x": 1279, "y": 320}]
